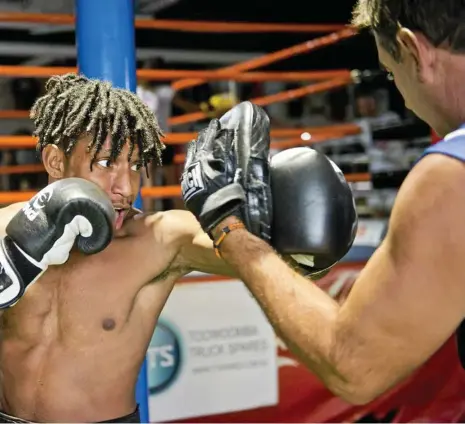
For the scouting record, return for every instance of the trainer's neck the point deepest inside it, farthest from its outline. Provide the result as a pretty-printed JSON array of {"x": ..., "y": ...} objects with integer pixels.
[{"x": 453, "y": 95}]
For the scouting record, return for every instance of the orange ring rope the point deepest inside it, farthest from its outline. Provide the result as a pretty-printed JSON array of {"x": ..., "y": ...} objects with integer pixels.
[
  {"x": 261, "y": 61},
  {"x": 347, "y": 129},
  {"x": 235, "y": 27},
  {"x": 358, "y": 177},
  {"x": 316, "y": 137},
  {"x": 343, "y": 130},
  {"x": 193, "y": 78},
  {"x": 7, "y": 197},
  {"x": 14, "y": 114},
  {"x": 286, "y": 96},
  {"x": 17, "y": 142},
  {"x": 179, "y": 25},
  {"x": 179, "y": 158},
  {"x": 48, "y": 71},
  {"x": 22, "y": 169},
  {"x": 160, "y": 74},
  {"x": 270, "y": 58},
  {"x": 276, "y": 133},
  {"x": 171, "y": 74},
  {"x": 273, "y": 98},
  {"x": 34, "y": 71}
]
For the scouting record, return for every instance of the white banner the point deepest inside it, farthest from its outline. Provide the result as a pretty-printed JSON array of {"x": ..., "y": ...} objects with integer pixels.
[
  {"x": 370, "y": 232},
  {"x": 212, "y": 352}
]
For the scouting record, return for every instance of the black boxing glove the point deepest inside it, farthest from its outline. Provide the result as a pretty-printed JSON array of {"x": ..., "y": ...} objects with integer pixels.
[
  {"x": 46, "y": 229},
  {"x": 208, "y": 182},
  {"x": 315, "y": 219},
  {"x": 251, "y": 127}
]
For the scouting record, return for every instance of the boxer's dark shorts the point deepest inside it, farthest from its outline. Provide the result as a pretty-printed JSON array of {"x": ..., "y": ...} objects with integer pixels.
[{"x": 131, "y": 418}]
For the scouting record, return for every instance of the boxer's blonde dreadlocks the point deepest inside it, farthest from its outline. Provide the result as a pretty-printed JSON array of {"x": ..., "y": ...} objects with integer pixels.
[{"x": 75, "y": 105}]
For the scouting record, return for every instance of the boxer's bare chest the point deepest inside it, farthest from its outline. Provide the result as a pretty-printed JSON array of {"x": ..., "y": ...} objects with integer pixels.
[
  {"x": 83, "y": 324},
  {"x": 89, "y": 298}
]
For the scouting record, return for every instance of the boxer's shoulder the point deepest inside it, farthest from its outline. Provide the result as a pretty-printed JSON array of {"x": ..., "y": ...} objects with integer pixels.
[
  {"x": 7, "y": 213},
  {"x": 167, "y": 227},
  {"x": 160, "y": 236},
  {"x": 12, "y": 209},
  {"x": 179, "y": 226}
]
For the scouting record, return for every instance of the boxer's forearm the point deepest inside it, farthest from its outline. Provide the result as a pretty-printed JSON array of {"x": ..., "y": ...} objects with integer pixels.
[
  {"x": 202, "y": 257},
  {"x": 303, "y": 315},
  {"x": 196, "y": 252}
]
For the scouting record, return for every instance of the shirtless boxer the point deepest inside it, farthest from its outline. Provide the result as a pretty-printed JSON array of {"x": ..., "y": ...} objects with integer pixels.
[
  {"x": 73, "y": 345},
  {"x": 410, "y": 298},
  {"x": 76, "y": 326}
]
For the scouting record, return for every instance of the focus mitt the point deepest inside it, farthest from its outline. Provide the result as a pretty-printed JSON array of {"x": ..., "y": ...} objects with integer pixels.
[
  {"x": 251, "y": 127},
  {"x": 227, "y": 171},
  {"x": 315, "y": 219}
]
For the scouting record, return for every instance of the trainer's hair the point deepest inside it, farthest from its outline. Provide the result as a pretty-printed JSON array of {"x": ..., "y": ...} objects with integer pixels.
[
  {"x": 75, "y": 105},
  {"x": 440, "y": 21}
]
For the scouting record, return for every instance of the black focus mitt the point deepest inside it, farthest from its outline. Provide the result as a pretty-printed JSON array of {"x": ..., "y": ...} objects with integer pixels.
[
  {"x": 227, "y": 171},
  {"x": 315, "y": 220},
  {"x": 251, "y": 127}
]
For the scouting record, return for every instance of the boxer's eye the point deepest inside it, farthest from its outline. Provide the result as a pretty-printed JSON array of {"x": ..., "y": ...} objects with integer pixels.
[
  {"x": 105, "y": 163},
  {"x": 136, "y": 167}
]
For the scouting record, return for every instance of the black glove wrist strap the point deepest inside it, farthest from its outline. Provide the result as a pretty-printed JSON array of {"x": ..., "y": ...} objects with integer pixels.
[{"x": 23, "y": 268}]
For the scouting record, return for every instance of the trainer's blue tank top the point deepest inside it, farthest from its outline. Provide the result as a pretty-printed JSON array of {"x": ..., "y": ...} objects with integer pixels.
[{"x": 453, "y": 145}]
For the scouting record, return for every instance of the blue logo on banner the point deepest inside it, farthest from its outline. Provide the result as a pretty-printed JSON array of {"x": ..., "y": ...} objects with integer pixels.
[{"x": 163, "y": 358}]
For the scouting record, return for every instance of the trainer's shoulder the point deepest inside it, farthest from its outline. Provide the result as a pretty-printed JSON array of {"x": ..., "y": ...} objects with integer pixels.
[
  {"x": 433, "y": 193},
  {"x": 437, "y": 174},
  {"x": 458, "y": 134}
]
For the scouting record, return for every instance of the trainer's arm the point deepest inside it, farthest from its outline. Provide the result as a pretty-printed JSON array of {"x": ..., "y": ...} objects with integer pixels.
[{"x": 406, "y": 303}]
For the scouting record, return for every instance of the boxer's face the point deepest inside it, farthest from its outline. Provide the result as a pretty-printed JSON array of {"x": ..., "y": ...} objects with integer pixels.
[
  {"x": 120, "y": 179},
  {"x": 417, "y": 75}
]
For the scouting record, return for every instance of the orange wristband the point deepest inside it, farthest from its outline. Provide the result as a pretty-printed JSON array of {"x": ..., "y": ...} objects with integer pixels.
[{"x": 224, "y": 232}]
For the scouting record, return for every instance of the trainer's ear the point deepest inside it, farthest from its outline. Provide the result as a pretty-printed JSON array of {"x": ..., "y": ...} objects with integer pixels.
[
  {"x": 419, "y": 53},
  {"x": 54, "y": 161}
]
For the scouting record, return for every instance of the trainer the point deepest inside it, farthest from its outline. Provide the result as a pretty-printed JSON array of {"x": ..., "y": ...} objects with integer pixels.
[{"x": 410, "y": 297}]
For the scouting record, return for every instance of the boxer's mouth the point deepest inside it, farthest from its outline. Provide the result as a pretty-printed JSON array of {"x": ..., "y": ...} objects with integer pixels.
[{"x": 120, "y": 215}]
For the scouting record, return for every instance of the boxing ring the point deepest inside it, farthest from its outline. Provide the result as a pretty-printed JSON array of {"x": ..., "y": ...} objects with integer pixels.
[
  {"x": 105, "y": 38},
  {"x": 321, "y": 81}
]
